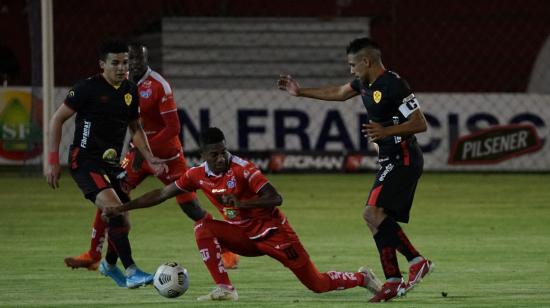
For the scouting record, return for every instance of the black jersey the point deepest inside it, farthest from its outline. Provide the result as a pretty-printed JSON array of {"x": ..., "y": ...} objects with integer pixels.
[
  {"x": 102, "y": 116},
  {"x": 389, "y": 101}
]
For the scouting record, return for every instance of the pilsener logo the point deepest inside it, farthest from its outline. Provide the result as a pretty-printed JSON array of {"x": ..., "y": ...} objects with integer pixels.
[{"x": 495, "y": 144}]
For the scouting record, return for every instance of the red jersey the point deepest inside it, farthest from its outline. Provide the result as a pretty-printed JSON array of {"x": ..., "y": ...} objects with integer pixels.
[
  {"x": 244, "y": 180},
  {"x": 155, "y": 100}
]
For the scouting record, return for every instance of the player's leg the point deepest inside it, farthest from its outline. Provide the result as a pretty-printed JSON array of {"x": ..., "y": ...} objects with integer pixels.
[
  {"x": 284, "y": 245},
  {"x": 391, "y": 200},
  {"x": 210, "y": 235},
  {"x": 90, "y": 259}
]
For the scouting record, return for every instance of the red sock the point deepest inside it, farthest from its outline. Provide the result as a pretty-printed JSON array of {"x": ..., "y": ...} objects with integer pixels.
[
  {"x": 211, "y": 255},
  {"x": 324, "y": 282},
  {"x": 211, "y": 252},
  {"x": 344, "y": 280},
  {"x": 98, "y": 236}
]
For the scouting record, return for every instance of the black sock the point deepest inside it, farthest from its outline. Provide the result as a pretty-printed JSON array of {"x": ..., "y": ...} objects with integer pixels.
[
  {"x": 398, "y": 238},
  {"x": 388, "y": 257},
  {"x": 111, "y": 256},
  {"x": 118, "y": 236}
]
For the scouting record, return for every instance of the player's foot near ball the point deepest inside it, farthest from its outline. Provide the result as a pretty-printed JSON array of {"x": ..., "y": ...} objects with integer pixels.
[
  {"x": 112, "y": 271},
  {"x": 371, "y": 282},
  {"x": 138, "y": 278},
  {"x": 85, "y": 260},
  {"x": 389, "y": 291},
  {"x": 417, "y": 271},
  {"x": 220, "y": 294},
  {"x": 230, "y": 260}
]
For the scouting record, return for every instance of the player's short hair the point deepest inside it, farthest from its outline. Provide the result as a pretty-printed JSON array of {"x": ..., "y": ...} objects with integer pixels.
[
  {"x": 211, "y": 135},
  {"x": 136, "y": 44},
  {"x": 361, "y": 43},
  {"x": 112, "y": 46}
]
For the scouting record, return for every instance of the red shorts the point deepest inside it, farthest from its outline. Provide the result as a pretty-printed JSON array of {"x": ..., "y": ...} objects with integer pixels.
[
  {"x": 281, "y": 243},
  {"x": 176, "y": 166}
]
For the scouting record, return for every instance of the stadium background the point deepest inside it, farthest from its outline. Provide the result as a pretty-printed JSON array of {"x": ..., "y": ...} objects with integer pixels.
[{"x": 472, "y": 64}]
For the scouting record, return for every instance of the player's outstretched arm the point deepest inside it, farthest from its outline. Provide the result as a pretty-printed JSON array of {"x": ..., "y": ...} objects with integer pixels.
[
  {"x": 149, "y": 199},
  {"x": 327, "y": 93},
  {"x": 53, "y": 172},
  {"x": 267, "y": 197},
  {"x": 140, "y": 141}
]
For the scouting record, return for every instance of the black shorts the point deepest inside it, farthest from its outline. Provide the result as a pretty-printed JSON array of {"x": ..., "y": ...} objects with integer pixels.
[
  {"x": 395, "y": 184},
  {"x": 93, "y": 176}
]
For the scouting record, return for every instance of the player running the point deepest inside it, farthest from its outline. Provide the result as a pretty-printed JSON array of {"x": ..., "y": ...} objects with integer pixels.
[
  {"x": 395, "y": 117},
  {"x": 106, "y": 105},
  {"x": 162, "y": 126},
  {"x": 255, "y": 225}
]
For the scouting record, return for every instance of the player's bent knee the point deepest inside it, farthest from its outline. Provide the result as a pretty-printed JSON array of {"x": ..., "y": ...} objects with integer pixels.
[{"x": 202, "y": 230}]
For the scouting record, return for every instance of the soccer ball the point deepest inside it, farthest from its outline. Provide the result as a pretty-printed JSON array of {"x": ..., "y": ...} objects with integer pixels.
[{"x": 171, "y": 280}]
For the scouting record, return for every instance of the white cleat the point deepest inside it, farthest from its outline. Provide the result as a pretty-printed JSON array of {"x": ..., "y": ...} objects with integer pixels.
[
  {"x": 220, "y": 294},
  {"x": 371, "y": 282}
]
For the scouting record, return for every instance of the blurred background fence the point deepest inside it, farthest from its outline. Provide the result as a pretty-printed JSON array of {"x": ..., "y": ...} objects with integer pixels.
[{"x": 474, "y": 65}]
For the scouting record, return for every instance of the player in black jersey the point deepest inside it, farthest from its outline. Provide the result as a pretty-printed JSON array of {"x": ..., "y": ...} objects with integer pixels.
[
  {"x": 106, "y": 105},
  {"x": 394, "y": 117}
]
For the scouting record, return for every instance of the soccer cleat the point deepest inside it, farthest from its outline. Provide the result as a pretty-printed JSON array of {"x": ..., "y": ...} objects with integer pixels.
[
  {"x": 418, "y": 271},
  {"x": 138, "y": 279},
  {"x": 85, "y": 260},
  {"x": 230, "y": 260},
  {"x": 389, "y": 291},
  {"x": 220, "y": 294},
  {"x": 113, "y": 272},
  {"x": 372, "y": 284}
]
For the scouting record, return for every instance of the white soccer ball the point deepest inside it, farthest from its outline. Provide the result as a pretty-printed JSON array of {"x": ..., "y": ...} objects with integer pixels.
[{"x": 171, "y": 280}]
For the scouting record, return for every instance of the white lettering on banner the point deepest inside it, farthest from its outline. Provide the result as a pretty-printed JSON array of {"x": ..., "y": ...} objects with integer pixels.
[
  {"x": 495, "y": 145},
  {"x": 307, "y": 161}
]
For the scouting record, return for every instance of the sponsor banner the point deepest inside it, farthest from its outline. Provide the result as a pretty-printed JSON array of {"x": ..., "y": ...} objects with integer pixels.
[
  {"x": 20, "y": 126},
  {"x": 272, "y": 121},
  {"x": 297, "y": 162},
  {"x": 495, "y": 144}
]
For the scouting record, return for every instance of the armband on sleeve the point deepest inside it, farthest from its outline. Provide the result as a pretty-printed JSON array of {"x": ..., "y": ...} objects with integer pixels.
[{"x": 410, "y": 104}]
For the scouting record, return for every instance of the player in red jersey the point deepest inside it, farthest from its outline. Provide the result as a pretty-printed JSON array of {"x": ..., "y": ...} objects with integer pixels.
[
  {"x": 161, "y": 125},
  {"x": 254, "y": 227}
]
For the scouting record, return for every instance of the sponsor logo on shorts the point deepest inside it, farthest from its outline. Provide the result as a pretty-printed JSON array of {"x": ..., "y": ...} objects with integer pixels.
[{"x": 387, "y": 169}]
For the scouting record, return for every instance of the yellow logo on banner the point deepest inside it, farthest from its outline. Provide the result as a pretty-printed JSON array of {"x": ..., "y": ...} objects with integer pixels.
[
  {"x": 377, "y": 96},
  {"x": 128, "y": 98}
]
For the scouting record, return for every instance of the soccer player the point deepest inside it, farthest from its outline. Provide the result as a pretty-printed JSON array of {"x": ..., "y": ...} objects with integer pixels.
[
  {"x": 162, "y": 126},
  {"x": 106, "y": 105},
  {"x": 395, "y": 117},
  {"x": 255, "y": 226}
]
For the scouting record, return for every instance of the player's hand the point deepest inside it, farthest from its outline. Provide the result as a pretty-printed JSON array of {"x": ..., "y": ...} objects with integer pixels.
[
  {"x": 158, "y": 166},
  {"x": 231, "y": 200},
  {"x": 374, "y": 131},
  {"x": 287, "y": 83},
  {"x": 52, "y": 175}
]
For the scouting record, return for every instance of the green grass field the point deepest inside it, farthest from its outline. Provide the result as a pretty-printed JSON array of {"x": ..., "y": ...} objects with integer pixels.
[{"x": 489, "y": 236}]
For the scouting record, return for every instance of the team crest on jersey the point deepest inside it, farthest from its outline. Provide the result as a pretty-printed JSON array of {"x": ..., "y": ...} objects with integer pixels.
[
  {"x": 231, "y": 183},
  {"x": 146, "y": 93},
  {"x": 377, "y": 96},
  {"x": 128, "y": 99}
]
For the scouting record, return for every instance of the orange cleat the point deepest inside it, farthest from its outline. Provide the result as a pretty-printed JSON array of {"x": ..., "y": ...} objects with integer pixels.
[
  {"x": 85, "y": 260},
  {"x": 230, "y": 260}
]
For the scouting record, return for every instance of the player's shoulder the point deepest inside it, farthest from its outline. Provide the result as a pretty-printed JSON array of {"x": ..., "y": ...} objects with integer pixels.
[
  {"x": 395, "y": 81},
  {"x": 159, "y": 81},
  {"x": 89, "y": 82}
]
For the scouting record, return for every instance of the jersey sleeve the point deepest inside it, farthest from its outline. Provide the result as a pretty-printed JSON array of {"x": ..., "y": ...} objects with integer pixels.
[
  {"x": 405, "y": 99},
  {"x": 356, "y": 85},
  {"x": 77, "y": 96},
  {"x": 186, "y": 182},
  {"x": 166, "y": 101},
  {"x": 254, "y": 177}
]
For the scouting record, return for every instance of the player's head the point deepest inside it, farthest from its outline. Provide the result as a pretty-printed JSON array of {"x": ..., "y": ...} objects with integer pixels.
[
  {"x": 214, "y": 151},
  {"x": 138, "y": 57},
  {"x": 363, "y": 56},
  {"x": 113, "y": 60}
]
